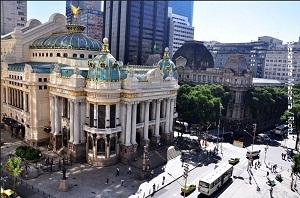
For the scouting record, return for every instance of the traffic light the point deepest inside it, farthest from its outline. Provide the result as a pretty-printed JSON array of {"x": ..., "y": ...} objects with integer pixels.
[{"x": 186, "y": 171}]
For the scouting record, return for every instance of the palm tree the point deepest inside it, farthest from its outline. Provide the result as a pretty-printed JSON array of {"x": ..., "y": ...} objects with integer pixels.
[{"x": 13, "y": 166}]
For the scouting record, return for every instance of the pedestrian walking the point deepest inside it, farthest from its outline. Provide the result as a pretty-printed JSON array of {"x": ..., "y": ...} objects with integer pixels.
[
  {"x": 148, "y": 166},
  {"x": 107, "y": 180},
  {"x": 152, "y": 173},
  {"x": 250, "y": 179},
  {"x": 292, "y": 184},
  {"x": 153, "y": 187},
  {"x": 129, "y": 170},
  {"x": 281, "y": 155},
  {"x": 122, "y": 182},
  {"x": 163, "y": 182},
  {"x": 267, "y": 173},
  {"x": 295, "y": 186},
  {"x": 118, "y": 172}
]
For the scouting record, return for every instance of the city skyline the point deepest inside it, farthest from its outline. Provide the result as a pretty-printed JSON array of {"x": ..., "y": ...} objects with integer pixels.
[{"x": 283, "y": 25}]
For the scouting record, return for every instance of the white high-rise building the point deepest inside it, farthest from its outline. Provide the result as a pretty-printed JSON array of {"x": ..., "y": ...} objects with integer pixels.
[
  {"x": 13, "y": 14},
  {"x": 180, "y": 31},
  {"x": 276, "y": 64}
]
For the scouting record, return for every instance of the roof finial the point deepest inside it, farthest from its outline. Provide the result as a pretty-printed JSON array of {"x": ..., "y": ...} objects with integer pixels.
[
  {"x": 166, "y": 54},
  {"x": 105, "y": 45}
]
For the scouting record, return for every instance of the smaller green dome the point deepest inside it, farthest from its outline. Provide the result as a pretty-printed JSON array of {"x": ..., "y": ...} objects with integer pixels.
[
  {"x": 104, "y": 67},
  {"x": 167, "y": 65}
]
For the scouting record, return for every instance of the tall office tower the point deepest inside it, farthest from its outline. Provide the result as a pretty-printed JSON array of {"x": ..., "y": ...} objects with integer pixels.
[
  {"x": 277, "y": 60},
  {"x": 13, "y": 14},
  {"x": 180, "y": 31},
  {"x": 183, "y": 8},
  {"x": 91, "y": 17},
  {"x": 136, "y": 29}
]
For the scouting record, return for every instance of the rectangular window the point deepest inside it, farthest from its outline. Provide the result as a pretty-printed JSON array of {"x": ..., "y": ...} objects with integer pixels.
[
  {"x": 199, "y": 78},
  {"x": 4, "y": 91},
  {"x": 27, "y": 102},
  {"x": 45, "y": 79},
  {"x": 101, "y": 116},
  {"x": 40, "y": 79},
  {"x": 45, "y": 86},
  {"x": 91, "y": 115},
  {"x": 40, "y": 87},
  {"x": 112, "y": 116}
]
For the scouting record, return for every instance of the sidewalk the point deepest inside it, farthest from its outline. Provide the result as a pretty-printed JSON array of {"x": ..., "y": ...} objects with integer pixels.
[{"x": 88, "y": 181}]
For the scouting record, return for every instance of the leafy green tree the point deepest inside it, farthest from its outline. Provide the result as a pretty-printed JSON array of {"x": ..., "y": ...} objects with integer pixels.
[{"x": 13, "y": 165}]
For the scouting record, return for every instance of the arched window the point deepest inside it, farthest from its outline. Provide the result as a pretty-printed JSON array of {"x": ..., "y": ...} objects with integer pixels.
[
  {"x": 81, "y": 55},
  {"x": 65, "y": 55},
  {"x": 90, "y": 144},
  {"x": 58, "y": 54},
  {"x": 113, "y": 144},
  {"x": 101, "y": 145},
  {"x": 47, "y": 54},
  {"x": 51, "y": 54},
  {"x": 74, "y": 55},
  {"x": 90, "y": 56}
]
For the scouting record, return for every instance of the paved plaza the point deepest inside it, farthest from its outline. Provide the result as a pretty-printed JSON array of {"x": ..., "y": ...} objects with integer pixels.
[{"x": 87, "y": 181}]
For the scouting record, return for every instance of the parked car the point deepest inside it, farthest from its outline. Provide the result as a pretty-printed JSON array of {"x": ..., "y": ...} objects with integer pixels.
[
  {"x": 254, "y": 153},
  {"x": 188, "y": 188},
  {"x": 234, "y": 161}
]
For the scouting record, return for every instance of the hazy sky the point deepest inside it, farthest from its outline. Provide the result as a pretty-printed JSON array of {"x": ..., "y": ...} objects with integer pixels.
[{"x": 223, "y": 21}]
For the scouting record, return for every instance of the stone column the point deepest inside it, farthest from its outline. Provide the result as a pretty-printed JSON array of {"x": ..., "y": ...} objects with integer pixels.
[
  {"x": 96, "y": 115},
  {"x": 167, "y": 123},
  {"x": 133, "y": 123},
  {"x": 146, "y": 122},
  {"x": 21, "y": 100},
  {"x": 123, "y": 122},
  {"x": 87, "y": 114},
  {"x": 17, "y": 98},
  {"x": 25, "y": 104},
  {"x": 76, "y": 123},
  {"x": 82, "y": 122},
  {"x": 142, "y": 112},
  {"x": 153, "y": 110},
  {"x": 157, "y": 120},
  {"x": 71, "y": 120},
  {"x": 52, "y": 101},
  {"x": 107, "y": 145},
  {"x": 107, "y": 116},
  {"x": 164, "y": 107},
  {"x": 117, "y": 114},
  {"x": 56, "y": 131},
  {"x": 128, "y": 124},
  {"x": 171, "y": 115}
]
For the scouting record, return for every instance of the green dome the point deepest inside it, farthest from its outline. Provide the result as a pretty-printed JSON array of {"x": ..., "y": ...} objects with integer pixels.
[
  {"x": 73, "y": 39},
  {"x": 104, "y": 66},
  {"x": 167, "y": 65}
]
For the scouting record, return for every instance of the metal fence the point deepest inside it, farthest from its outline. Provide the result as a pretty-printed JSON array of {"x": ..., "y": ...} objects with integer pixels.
[{"x": 27, "y": 185}]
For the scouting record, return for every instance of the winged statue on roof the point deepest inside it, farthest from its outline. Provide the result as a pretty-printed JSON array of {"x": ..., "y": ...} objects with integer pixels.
[{"x": 76, "y": 11}]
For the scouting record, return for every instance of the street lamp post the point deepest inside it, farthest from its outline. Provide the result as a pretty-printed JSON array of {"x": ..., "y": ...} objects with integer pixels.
[
  {"x": 253, "y": 136},
  {"x": 218, "y": 130}
]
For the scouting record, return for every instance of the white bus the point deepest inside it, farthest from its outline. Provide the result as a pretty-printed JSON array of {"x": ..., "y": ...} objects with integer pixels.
[
  {"x": 215, "y": 179},
  {"x": 281, "y": 129}
]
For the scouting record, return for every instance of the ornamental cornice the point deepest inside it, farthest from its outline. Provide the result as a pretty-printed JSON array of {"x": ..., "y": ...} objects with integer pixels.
[
  {"x": 152, "y": 93},
  {"x": 102, "y": 103},
  {"x": 68, "y": 92},
  {"x": 102, "y": 95}
]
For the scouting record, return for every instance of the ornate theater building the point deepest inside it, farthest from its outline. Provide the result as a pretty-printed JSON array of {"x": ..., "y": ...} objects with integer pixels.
[{"x": 65, "y": 89}]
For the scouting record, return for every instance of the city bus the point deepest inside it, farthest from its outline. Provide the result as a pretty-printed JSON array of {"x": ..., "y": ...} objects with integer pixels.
[
  {"x": 211, "y": 182},
  {"x": 281, "y": 129}
]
